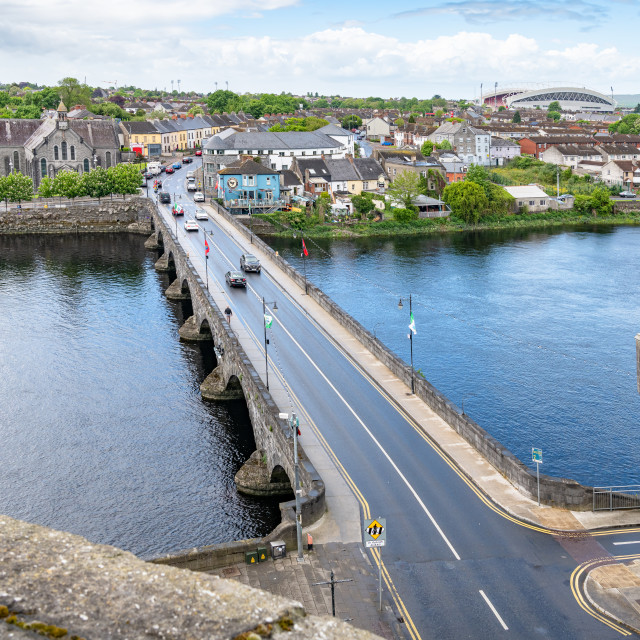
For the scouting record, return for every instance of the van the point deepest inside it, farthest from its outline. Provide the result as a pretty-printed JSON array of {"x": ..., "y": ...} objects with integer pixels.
[{"x": 154, "y": 168}]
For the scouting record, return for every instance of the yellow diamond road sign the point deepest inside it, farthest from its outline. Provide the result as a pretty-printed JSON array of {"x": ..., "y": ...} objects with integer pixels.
[{"x": 375, "y": 532}]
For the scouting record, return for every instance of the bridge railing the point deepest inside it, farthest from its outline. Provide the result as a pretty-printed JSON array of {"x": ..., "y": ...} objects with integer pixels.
[
  {"x": 610, "y": 498},
  {"x": 60, "y": 203}
]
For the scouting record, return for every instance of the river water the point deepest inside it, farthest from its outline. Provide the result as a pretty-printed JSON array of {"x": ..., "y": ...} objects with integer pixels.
[
  {"x": 532, "y": 331},
  {"x": 103, "y": 432}
]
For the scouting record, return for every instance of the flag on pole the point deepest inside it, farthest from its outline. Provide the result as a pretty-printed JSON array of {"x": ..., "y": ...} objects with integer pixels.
[
  {"x": 206, "y": 247},
  {"x": 412, "y": 325},
  {"x": 304, "y": 248},
  {"x": 268, "y": 321}
]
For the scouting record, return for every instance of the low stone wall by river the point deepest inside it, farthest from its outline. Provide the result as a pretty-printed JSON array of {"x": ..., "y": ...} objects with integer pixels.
[
  {"x": 132, "y": 214},
  {"x": 559, "y": 492}
]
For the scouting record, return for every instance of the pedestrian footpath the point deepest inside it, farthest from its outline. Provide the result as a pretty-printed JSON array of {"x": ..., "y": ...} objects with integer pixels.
[{"x": 356, "y": 599}]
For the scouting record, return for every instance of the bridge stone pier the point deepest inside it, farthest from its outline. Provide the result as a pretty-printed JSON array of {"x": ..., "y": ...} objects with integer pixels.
[{"x": 270, "y": 470}]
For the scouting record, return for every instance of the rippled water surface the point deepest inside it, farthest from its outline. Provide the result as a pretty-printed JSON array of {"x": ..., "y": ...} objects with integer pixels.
[
  {"x": 102, "y": 429},
  {"x": 533, "y": 331}
]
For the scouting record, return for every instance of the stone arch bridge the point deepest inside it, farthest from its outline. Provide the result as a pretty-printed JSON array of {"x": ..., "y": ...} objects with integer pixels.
[{"x": 270, "y": 470}]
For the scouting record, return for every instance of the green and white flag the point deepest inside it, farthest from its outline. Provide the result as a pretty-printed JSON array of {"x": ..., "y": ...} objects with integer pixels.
[
  {"x": 412, "y": 325},
  {"x": 268, "y": 321}
]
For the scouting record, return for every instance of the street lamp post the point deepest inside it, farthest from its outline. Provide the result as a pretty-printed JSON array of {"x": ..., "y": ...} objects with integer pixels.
[
  {"x": 412, "y": 330},
  {"x": 294, "y": 424},
  {"x": 267, "y": 320}
]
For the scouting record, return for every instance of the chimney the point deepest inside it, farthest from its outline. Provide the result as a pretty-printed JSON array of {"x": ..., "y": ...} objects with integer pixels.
[{"x": 350, "y": 157}]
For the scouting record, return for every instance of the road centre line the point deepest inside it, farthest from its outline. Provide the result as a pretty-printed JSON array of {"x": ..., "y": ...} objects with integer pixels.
[
  {"x": 495, "y": 613},
  {"x": 628, "y": 542}
]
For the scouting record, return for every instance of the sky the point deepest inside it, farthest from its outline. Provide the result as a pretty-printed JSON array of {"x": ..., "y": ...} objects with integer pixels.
[{"x": 359, "y": 48}]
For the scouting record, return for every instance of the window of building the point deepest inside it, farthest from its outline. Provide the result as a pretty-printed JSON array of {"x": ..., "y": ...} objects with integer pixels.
[
  {"x": 365, "y": 185},
  {"x": 303, "y": 153},
  {"x": 86, "y": 165},
  {"x": 269, "y": 180},
  {"x": 108, "y": 159},
  {"x": 43, "y": 167},
  {"x": 543, "y": 202},
  {"x": 64, "y": 150},
  {"x": 73, "y": 152},
  {"x": 6, "y": 165},
  {"x": 16, "y": 161},
  {"x": 252, "y": 181},
  {"x": 532, "y": 203},
  {"x": 281, "y": 154},
  {"x": 55, "y": 153}
]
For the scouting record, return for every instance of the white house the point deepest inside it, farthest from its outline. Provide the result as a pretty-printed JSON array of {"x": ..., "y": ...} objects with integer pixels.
[{"x": 529, "y": 197}]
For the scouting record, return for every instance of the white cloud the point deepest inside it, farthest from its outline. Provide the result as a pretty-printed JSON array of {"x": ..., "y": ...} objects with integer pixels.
[{"x": 348, "y": 60}]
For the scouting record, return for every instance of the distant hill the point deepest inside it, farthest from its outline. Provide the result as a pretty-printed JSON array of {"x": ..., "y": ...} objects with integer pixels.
[{"x": 627, "y": 100}]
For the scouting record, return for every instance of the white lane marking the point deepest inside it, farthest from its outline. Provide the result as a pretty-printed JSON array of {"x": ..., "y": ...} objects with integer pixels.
[
  {"x": 364, "y": 426},
  {"x": 628, "y": 542},
  {"x": 495, "y": 613}
]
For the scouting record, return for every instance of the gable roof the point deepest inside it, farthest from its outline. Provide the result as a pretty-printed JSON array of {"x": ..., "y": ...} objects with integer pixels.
[
  {"x": 259, "y": 140},
  {"x": 341, "y": 169},
  {"x": 248, "y": 167},
  {"x": 526, "y": 191},
  {"x": 368, "y": 168}
]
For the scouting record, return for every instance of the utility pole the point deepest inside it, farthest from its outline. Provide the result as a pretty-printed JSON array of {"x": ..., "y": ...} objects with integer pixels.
[
  {"x": 294, "y": 425},
  {"x": 333, "y": 582}
]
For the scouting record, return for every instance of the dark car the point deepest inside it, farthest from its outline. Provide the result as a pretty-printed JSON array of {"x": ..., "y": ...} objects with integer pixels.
[
  {"x": 235, "y": 279},
  {"x": 248, "y": 262},
  {"x": 162, "y": 168},
  {"x": 187, "y": 160},
  {"x": 169, "y": 169},
  {"x": 147, "y": 175},
  {"x": 165, "y": 197}
]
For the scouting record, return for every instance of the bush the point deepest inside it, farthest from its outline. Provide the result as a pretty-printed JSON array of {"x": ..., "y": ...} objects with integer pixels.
[{"x": 405, "y": 215}]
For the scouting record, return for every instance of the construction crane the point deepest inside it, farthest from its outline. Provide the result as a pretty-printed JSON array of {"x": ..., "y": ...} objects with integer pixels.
[{"x": 112, "y": 83}]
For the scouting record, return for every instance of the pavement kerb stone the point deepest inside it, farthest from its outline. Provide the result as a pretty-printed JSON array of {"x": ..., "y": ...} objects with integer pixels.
[{"x": 604, "y": 611}]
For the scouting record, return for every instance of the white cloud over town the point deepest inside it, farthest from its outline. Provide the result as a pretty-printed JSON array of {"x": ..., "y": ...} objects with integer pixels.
[{"x": 44, "y": 42}]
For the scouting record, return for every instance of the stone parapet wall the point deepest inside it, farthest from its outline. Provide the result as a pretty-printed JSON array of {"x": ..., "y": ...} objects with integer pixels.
[
  {"x": 63, "y": 584},
  {"x": 559, "y": 492},
  {"x": 132, "y": 215}
]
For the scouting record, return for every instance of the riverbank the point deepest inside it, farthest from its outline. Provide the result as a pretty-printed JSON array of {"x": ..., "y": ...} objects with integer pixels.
[{"x": 427, "y": 226}]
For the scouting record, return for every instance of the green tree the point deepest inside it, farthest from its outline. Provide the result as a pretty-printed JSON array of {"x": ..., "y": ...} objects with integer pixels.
[
  {"x": 72, "y": 92},
  {"x": 223, "y": 101},
  {"x": 16, "y": 187},
  {"x": 69, "y": 184},
  {"x": 502, "y": 108},
  {"x": 466, "y": 199},
  {"x": 4, "y": 99},
  {"x": 637, "y": 108},
  {"x": 628, "y": 124},
  {"x": 363, "y": 203},
  {"x": 404, "y": 188},
  {"x": 405, "y": 215},
  {"x": 427, "y": 148},
  {"x": 554, "y": 115},
  {"x": 46, "y": 188},
  {"x": 96, "y": 183},
  {"x": 445, "y": 144},
  {"x": 27, "y": 112},
  {"x": 439, "y": 113},
  {"x": 124, "y": 178},
  {"x": 601, "y": 201},
  {"x": 48, "y": 98},
  {"x": 351, "y": 122},
  {"x": 412, "y": 119},
  {"x": 517, "y": 118},
  {"x": 399, "y": 122},
  {"x": 196, "y": 110},
  {"x": 554, "y": 106},
  {"x": 321, "y": 104}
]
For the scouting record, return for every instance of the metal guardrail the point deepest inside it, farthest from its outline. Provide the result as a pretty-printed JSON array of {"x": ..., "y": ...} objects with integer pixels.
[{"x": 610, "y": 498}]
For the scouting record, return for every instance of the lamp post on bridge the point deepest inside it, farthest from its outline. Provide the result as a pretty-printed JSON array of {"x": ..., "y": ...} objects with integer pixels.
[
  {"x": 267, "y": 322},
  {"x": 412, "y": 330}
]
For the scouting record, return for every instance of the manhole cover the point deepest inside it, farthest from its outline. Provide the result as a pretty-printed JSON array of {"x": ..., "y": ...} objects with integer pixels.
[{"x": 231, "y": 572}]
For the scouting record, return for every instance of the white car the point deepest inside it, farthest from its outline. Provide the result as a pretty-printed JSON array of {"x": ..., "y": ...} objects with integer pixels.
[
  {"x": 191, "y": 225},
  {"x": 198, "y": 196},
  {"x": 201, "y": 214}
]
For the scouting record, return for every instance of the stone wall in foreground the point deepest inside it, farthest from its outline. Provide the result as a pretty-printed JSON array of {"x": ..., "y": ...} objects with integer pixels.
[{"x": 61, "y": 582}]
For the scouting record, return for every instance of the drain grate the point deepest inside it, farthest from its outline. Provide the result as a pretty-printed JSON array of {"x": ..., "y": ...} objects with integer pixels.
[{"x": 230, "y": 572}]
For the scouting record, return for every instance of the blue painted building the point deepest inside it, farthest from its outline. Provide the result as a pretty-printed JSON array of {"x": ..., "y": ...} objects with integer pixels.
[{"x": 249, "y": 186}]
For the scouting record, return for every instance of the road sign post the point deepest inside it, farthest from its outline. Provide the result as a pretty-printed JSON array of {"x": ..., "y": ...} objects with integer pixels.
[
  {"x": 536, "y": 456},
  {"x": 375, "y": 536}
]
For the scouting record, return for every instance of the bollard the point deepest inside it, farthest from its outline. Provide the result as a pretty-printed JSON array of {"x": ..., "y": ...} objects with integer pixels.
[{"x": 309, "y": 542}]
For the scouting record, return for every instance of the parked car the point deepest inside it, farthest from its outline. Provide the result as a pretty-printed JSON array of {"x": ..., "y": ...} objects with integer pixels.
[
  {"x": 187, "y": 160},
  {"x": 177, "y": 209},
  {"x": 169, "y": 169},
  {"x": 198, "y": 196},
  {"x": 165, "y": 197},
  {"x": 191, "y": 185},
  {"x": 148, "y": 174},
  {"x": 235, "y": 279},
  {"x": 198, "y": 152},
  {"x": 191, "y": 225},
  {"x": 177, "y": 165},
  {"x": 201, "y": 214},
  {"x": 627, "y": 194},
  {"x": 162, "y": 168},
  {"x": 248, "y": 262}
]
